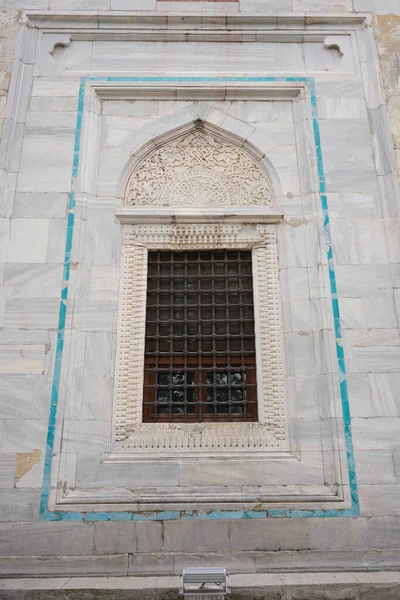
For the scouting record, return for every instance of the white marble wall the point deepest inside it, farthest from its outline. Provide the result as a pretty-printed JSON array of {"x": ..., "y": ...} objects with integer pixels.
[{"x": 363, "y": 200}]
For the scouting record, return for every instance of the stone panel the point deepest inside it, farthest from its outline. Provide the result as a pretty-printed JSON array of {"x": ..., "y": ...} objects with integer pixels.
[
  {"x": 92, "y": 474},
  {"x": 40, "y": 205},
  {"x": 363, "y": 281},
  {"x": 151, "y": 564},
  {"x": 375, "y": 467},
  {"x": 320, "y": 561},
  {"x": 378, "y": 500},
  {"x": 149, "y": 537},
  {"x": 348, "y": 162},
  {"x": 31, "y": 314},
  {"x": 19, "y": 505},
  {"x": 322, "y": 5},
  {"x": 384, "y": 532},
  {"x": 385, "y": 394},
  {"x": 270, "y": 534},
  {"x": 33, "y": 281},
  {"x": 24, "y": 435},
  {"x": 128, "y": 538},
  {"x": 338, "y": 534},
  {"x": 115, "y": 538},
  {"x": 196, "y": 536},
  {"x": 28, "y": 241},
  {"x": 29, "y": 360},
  {"x": 7, "y": 470},
  {"x": 260, "y": 6},
  {"x": 51, "y": 539},
  {"x": 379, "y": 312},
  {"x": 376, "y": 434},
  {"x": 16, "y": 396},
  {"x": 37, "y": 566},
  {"x": 379, "y": 7}
]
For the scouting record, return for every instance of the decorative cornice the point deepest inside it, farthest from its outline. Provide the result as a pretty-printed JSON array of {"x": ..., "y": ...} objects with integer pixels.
[
  {"x": 190, "y": 91},
  {"x": 232, "y": 24},
  {"x": 172, "y": 216}
]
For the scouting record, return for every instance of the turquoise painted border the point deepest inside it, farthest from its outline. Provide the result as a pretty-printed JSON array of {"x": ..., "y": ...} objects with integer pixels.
[{"x": 45, "y": 514}]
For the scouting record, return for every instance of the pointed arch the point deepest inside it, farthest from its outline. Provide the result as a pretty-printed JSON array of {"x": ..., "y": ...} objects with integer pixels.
[{"x": 199, "y": 164}]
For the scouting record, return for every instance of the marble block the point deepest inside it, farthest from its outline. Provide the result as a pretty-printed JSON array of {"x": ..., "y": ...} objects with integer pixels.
[
  {"x": 28, "y": 241},
  {"x": 24, "y": 435}
]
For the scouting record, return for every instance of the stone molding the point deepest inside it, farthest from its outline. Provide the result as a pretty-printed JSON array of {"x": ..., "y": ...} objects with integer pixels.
[
  {"x": 182, "y": 21},
  {"x": 137, "y": 438},
  {"x": 127, "y": 465}
]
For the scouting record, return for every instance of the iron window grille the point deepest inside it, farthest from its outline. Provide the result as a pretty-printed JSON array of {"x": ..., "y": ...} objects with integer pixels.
[{"x": 200, "y": 362}]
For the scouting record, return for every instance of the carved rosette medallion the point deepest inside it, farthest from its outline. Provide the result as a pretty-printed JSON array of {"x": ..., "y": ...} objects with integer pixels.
[{"x": 199, "y": 169}]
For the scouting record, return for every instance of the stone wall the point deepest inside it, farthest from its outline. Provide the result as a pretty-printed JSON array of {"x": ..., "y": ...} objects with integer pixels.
[
  {"x": 387, "y": 32},
  {"x": 9, "y": 27},
  {"x": 33, "y": 226}
]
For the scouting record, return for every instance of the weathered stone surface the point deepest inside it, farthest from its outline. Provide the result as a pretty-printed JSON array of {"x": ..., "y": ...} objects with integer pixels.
[
  {"x": 19, "y": 505},
  {"x": 127, "y": 537},
  {"x": 378, "y": 500},
  {"x": 7, "y": 470},
  {"x": 322, "y": 561},
  {"x": 51, "y": 539},
  {"x": 151, "y": 564},
  {"x": 375, "y": 467},
  {"x": 34, "y": 566},
  {"x": 9, "y": 27},
  {"x": 149, "y": 537},
  {"x": 340, "y": 534},
  {"x": 196, "y": 536},
  {"x": 115, "y": 538},
  {"x": 384, "y": 532},
  {"x": 270, "y": 534},
  {"x": 24, "y": 435},
  {"x": 25, "y": 462}
]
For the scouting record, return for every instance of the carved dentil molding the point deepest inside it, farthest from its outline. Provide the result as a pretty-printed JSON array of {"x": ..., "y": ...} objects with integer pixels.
[{"x": 199, "y": 169}]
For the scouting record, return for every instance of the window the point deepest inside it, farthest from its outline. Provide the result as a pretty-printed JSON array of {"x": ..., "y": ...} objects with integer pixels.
[
  {"x": 197, "y": 299},
  {"x": 200, "y": 362}
]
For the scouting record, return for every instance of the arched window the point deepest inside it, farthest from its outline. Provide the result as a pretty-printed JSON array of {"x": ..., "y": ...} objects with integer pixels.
[{"x": 200, "y": 334}]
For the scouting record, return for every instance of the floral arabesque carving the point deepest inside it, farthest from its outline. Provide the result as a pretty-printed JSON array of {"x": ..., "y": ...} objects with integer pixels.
[{"x": 199, "y": 169}]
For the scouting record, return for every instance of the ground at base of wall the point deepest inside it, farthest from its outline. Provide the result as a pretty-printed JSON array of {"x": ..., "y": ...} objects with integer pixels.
[{"x": 383, "y": 585}]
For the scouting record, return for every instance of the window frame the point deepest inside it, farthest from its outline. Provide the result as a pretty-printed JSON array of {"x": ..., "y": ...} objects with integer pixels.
[{"x": 132, "y": 436}]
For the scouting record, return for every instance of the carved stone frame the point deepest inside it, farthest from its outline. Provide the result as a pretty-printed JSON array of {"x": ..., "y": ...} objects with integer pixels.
[
  {"x": 310, "y": 471},
  {"x": 149, "y": 441}
]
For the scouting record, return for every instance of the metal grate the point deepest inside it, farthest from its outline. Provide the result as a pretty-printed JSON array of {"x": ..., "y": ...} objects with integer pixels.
[{"x": 200, "y": 348}]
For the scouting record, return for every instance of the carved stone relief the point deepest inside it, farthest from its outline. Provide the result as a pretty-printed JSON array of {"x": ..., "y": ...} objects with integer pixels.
[
  {"x": 199, "y": 169},
  {"x": 146, "y": 440}
]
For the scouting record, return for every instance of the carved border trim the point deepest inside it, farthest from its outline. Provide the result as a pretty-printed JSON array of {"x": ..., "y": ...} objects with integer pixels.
[
  {"x": 137, "y": 438},
  {"x": 267, "y": 299},
  {"x": 131, "y": 341}
]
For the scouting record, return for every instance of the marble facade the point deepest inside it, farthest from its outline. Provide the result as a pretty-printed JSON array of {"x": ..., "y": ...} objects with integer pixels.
[{"x": 295, "y": 89}]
